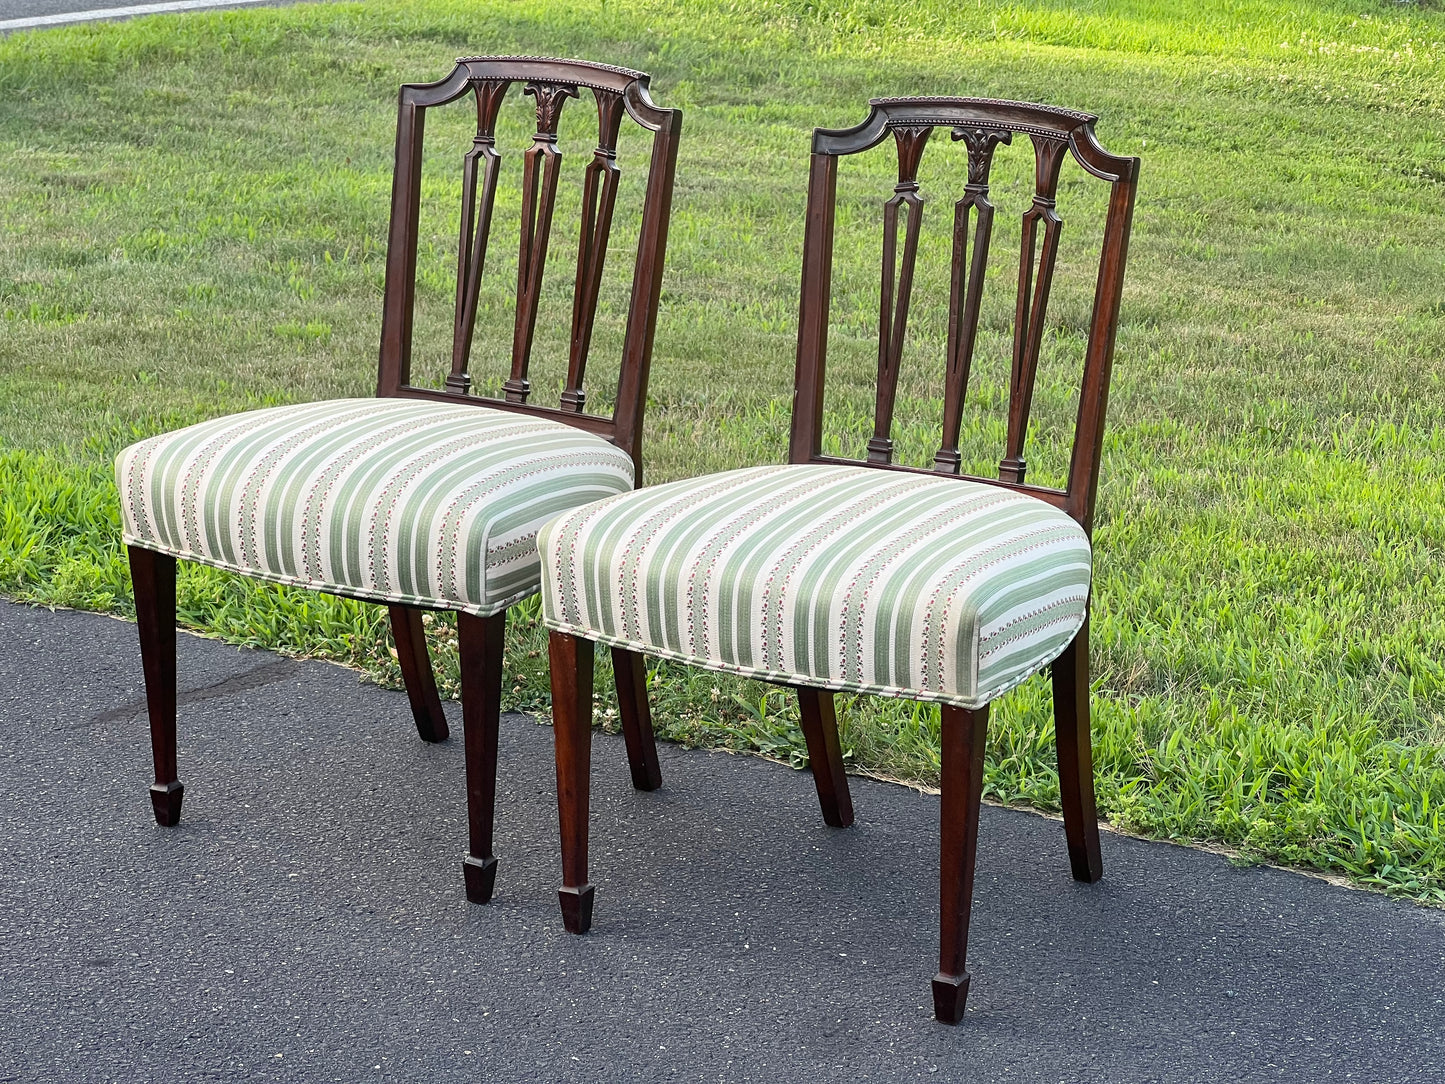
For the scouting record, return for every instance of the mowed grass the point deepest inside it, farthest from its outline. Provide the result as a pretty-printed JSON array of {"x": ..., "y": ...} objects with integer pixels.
[{"x": 194, "y": 216}]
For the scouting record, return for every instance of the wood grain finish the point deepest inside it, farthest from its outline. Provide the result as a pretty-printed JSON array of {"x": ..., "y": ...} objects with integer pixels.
[
  {"x": 620, "y": 94},
  {"x": 480, "y": 643},
  {"x": 965, "y": 294},
  {"x": 1070, "y": 673},
  {"x": 476, "y": 228},
  {"x": 154, "y": 578},
  {"x": 825, "y": 756},
  {"x": 409, "y": 633},
  {"x": 599, "y": 198},
  {"x": 571, "y": 661},
  {"x": 1032, "y": 301},
  {"x": 896, "y": 295},
  {"x": 630, "y": 669},
  {"x": 983, "y": 126},
  {"x": 962, "y": 744}
]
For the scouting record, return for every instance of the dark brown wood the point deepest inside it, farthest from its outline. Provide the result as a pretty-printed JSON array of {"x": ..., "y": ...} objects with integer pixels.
[
  {"x": 825, "y": 755},
  {"x": 1076, "y": 759},
  {"x": 480, "y": 642},
  {"x": 541, "y": 167},
  {"x": 1029, "y": 310},
  {"x": 965, "y": 302},
  {"x": 982, "y": 125},
  {"x": 620, "y": 93},
  {"x": 630, "y": 669},
  {"x": 416, "y": 673},
  {"x": 805, "y": 442},
  {"x": 571, "y": 661},
  {"x": 963, "y": 739},
  {"x": 599, "y": 198},
  {"x": 476, "y": 228},
  {"x": 153, "y": 576},
  {"x": 893, "y": 306}
]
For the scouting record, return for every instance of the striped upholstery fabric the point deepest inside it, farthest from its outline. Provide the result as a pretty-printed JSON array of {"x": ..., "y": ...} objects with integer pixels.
[
  {"x": 845, "y": 578},
  {"x": 391, "y": 500}
]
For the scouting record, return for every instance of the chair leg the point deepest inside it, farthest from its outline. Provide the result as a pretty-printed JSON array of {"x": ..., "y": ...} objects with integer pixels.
[
  {"x": 571, "y": 661},
  {"x": 154, "y": 578},
  {"x": 416, "y": 673},
  {"x": 479, "y": 643},
  {"x": 963, "y": 745},
  {"x": 825, "y": 756},
  {"x": 631, "y": 672},
  {"x": 1076, "y": 761}
]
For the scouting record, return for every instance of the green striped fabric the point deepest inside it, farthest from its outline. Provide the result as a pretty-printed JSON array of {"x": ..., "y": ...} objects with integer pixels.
[
  {"x": 845, "y": 578},
  {"x": 391, "y": 500}
]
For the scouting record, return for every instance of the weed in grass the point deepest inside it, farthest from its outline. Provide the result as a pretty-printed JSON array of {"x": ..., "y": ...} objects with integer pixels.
[{"x": 192, "y": 222}]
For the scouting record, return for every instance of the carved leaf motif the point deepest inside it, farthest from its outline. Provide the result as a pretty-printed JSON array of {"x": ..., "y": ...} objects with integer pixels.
[
  {"x": 550, "y": 99},
  {"x": 980, "y": 143}
]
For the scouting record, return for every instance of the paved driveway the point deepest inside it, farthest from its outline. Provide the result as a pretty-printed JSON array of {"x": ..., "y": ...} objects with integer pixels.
[
  {"x": 29, "y": 14},
  {"x": 307, "y": 921}
]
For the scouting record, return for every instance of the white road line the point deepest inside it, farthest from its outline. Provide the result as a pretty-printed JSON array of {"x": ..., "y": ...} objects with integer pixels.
[{"x": 120, "y": 13}]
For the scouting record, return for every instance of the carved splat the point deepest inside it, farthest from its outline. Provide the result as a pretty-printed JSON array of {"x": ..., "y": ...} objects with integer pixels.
[
  {"x": 476, "y": 227},
  {"x": 1033, "y": 298},
  {"x": 540, "y": 170},
  {"x": 599, "y": 196},
  {"x": 893, "y": 307},
  {"x": 964, "y": 301}
]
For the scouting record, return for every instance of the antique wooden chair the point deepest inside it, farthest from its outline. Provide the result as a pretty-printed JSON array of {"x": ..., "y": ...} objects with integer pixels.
[
  {"x": 418, "y": 499},
  {"x": 869, "y": 576}
]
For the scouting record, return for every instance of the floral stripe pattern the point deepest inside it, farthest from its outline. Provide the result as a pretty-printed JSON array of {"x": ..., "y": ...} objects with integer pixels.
[
  {"x": 390, "y": 500},
  {"x": 845, "y": 578}
]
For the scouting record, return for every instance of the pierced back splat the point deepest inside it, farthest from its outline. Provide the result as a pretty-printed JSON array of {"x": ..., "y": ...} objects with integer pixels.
[
  {"x": 599, "y": 196},
  {"x": 893, "y": 309},
  {"x": 981, "y": 124},
  {"x": 619, "y": 93},
  {"x": 1029, "y": 316},
  {"x": 540, "y": 169},
  {"x": 476, "y": 227},
  {"x": 965, "y": 292}
]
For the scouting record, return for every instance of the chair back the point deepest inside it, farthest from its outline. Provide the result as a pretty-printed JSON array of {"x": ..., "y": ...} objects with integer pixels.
[
  {"x": 981, "y": 125},
  {"x": 617, "y": 93}
]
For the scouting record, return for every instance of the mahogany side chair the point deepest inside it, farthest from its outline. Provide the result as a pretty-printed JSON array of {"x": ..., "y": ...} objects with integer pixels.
[
  {"x": 424, "y": 499},
  {"x": 830, "y": 574}
]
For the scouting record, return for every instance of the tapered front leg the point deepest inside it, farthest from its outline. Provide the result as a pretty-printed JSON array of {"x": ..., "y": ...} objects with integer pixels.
[
  {"x": 416, "y": 673},
  {"x": 571, "y": 659},
  {"x": 631, "y": 672},
  {"x": 1076, "y": 759},
  {"x": 153, "y": 576},
  {"x": 964, "y": 732},
  {"x": 479, "y": 644},
  {"x": 825, "y": 756}
]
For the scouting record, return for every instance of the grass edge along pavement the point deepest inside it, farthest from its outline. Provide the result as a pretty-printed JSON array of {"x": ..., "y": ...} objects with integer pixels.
[{"x": 1268, "y": 602}]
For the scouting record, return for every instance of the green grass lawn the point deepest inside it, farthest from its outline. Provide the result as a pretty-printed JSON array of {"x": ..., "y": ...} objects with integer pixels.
[{"x": 194, "y": 215}]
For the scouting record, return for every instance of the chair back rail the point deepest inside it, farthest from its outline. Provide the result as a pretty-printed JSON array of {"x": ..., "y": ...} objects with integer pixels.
[
  {"x": 617, "y": 93},
  {"x": 981, "y": 125}
]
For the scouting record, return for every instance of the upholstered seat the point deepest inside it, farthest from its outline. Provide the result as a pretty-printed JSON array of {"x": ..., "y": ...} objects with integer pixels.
[
  {"x": 391, "y": 500},
  {"x": 844, "y": 578},
  {"x": 430, "y": 497},
  {"x": 869, "y": 575}
]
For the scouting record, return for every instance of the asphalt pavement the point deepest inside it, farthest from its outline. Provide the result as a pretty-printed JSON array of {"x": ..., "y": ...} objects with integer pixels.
[
  {"x": 307, "y": 921},
  {"x": 38, "y": 14}
]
